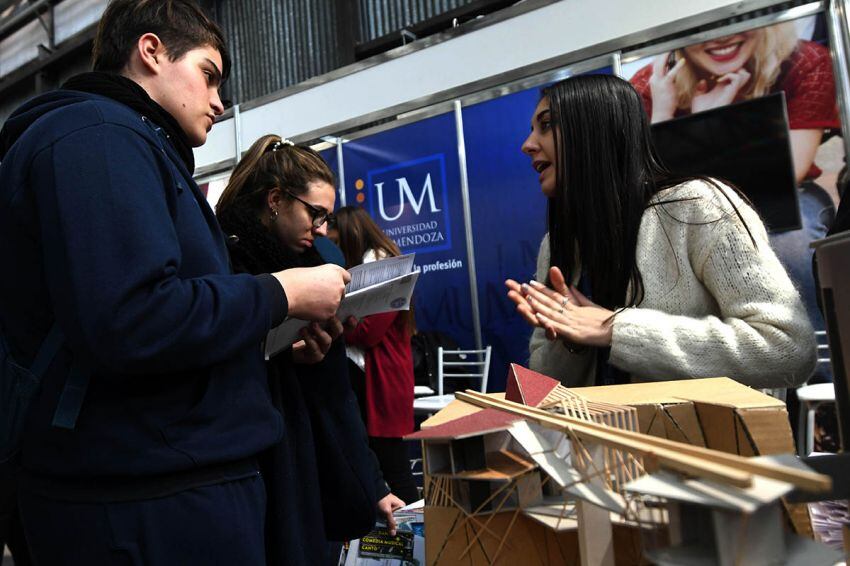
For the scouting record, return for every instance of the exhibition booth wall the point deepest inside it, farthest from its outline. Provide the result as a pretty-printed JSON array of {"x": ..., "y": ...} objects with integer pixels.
[{"x": 444, "y": 175}]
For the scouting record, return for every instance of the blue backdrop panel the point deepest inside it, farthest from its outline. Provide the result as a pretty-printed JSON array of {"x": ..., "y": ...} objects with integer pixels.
[
  {"x": 408, "y": 178},
  {"x": 330, "y": 157},
  {"x": 508, "y": 219}
]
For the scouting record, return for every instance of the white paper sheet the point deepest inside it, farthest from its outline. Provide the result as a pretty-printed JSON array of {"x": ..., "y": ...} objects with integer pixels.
[{"x": 376, "y": 287}]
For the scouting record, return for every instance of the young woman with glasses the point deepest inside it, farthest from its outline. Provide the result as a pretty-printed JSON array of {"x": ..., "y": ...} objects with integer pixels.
[
  {"x": 322, "y": 480},
  {"x": 643, "y": 276}
]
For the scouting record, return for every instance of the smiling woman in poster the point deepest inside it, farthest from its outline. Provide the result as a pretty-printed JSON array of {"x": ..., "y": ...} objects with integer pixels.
[
  {"x": 743, "y": 66},
  {"x": 750, "y": 64},
  {"x": 643, "y": 276}
]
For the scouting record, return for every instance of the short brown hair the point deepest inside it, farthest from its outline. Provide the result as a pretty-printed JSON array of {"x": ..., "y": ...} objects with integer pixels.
[{"x": 180, "y": 24}]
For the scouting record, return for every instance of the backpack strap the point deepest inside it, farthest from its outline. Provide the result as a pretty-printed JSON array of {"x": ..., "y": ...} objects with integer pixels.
[
  {"x": 71, "y": 400},
  {"x": 47, "y": 351}
]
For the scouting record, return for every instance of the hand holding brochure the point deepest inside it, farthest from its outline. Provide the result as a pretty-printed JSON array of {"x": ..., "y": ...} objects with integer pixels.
[{"x": 380, "y": 286}]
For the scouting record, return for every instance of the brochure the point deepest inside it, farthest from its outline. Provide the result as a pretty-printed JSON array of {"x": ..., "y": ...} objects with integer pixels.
[
  {"x": 379, "y": 548},
  {"x": 379, "y": 286}
]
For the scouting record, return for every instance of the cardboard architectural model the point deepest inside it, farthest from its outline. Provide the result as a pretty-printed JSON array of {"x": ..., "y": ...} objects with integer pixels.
[{"x": 546, "y": 475}]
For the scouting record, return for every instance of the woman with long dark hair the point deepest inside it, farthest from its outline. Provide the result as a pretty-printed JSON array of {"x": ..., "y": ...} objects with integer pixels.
[
  {"x": 643, "y": 276},
  {"x": 380, "y": 358},
  {"x": 322, "y": 480}
]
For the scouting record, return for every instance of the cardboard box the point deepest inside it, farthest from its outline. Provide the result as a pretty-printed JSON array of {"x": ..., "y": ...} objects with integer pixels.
[
  {"x": 717, "y": 413},
  {"x": 478, "y": 542}
]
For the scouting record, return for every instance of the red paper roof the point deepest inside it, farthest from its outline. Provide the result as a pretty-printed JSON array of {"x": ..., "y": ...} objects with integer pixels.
[
  {"x": 482, "y": 422},
  {"x": 528, "y": 387}
]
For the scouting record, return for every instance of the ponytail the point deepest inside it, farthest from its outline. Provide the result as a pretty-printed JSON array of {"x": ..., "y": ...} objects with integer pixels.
[{"x": 271, "y": 162}]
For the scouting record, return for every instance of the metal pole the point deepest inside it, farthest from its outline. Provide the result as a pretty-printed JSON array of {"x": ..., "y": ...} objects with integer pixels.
[
  {"x": 467, "y": 225},
  {"x": 51, "y": 30},
  {"x": 839, "y": 42},
  {"x": 341, "y": 166},
  {"x": 23, "y": 17},
  {"x": 237, "y": 134},
  {"x": 616, "y": 64}
]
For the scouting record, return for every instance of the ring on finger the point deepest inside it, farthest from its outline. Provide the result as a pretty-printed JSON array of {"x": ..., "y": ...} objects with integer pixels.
[{"x": 564, "y": 301}]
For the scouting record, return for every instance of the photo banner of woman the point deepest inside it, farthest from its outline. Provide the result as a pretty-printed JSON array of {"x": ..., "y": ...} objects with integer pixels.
[{"x": 790, "y": 57}]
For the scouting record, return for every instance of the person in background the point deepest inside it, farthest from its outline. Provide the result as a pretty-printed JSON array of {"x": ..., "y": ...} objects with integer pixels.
[
  {"x": 141, "y": 445},
  {"x": 643, "y": 276},
  {"x": 747, "y": 65},
  {"x": 322, "y": 481},
  {"x": 380, "y": 358}
]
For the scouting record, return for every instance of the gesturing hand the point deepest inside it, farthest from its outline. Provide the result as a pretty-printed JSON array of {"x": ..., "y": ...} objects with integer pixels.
[
  {"x": 567, "y": 314},
  {"x": 559, "y": 292}
]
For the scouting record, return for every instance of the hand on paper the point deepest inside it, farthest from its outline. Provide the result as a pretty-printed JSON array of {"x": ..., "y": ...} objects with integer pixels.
[
  {"x": 313, "y": 293},
  {"x": 563, "y": 312},
  {"x": 386, "y": 507},
  {"x": 316, "y": 341}
]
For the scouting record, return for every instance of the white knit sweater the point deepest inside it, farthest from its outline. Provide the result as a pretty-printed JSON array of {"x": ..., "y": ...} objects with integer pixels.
[{"x": 714, "y": 305}]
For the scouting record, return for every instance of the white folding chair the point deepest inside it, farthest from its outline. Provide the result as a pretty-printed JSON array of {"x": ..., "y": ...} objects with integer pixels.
[
  {"x": 477, "y": 366},
  {"x": 811, "y": 397}
]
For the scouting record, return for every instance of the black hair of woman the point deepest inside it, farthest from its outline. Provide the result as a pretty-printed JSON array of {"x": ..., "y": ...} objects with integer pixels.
[{"x": 606, "y": 172}]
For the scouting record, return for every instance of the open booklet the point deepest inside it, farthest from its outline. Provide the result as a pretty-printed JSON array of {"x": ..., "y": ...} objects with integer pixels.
[{"x": 375, "y": 287}]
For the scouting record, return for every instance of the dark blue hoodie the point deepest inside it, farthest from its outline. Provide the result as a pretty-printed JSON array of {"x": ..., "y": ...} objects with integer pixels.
[{"x": 103, "y": 229}]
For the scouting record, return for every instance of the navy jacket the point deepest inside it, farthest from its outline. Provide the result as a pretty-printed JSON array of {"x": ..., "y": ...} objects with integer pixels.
[{"x": 103, "y": 228}]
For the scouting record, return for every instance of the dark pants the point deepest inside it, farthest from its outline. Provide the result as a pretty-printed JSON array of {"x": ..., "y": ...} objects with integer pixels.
[
  {"x": 219, "y": 524},
  {"x": 13, "y": 536},
  {"x": 391, "y": 452},
  {"x": 11, "y": 530},
  {"x": 395, "y": 465}
]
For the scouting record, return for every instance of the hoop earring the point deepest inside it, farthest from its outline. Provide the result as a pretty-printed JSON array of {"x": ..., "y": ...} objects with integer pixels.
[{"x": 273, "y": 213}]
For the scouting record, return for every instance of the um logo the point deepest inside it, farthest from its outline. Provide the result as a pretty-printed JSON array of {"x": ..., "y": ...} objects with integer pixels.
[
  {"x": 409, "y": 202},
  {"x": 404, "y": 193}
]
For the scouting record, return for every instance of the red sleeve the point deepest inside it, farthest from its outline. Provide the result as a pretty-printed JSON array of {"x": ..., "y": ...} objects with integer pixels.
[
  {"x": 809, "y": 87},
  {"x": 371, "y": 330},
  {"x": 640, "y": 81}
]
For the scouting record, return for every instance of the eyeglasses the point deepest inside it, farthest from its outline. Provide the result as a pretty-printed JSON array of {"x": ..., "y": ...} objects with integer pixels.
[{"x": 319, "y": 215}]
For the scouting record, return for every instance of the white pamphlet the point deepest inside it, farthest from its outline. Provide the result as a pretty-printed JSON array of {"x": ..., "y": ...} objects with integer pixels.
[{"x": 380, "y": 286}]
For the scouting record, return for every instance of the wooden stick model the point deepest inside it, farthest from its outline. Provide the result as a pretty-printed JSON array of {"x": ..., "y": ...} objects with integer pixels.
[{"x": 693, "y": 460}]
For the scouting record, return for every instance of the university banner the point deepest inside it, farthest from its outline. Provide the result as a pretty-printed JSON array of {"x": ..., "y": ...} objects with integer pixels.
[{"x": 408, "y": 179}]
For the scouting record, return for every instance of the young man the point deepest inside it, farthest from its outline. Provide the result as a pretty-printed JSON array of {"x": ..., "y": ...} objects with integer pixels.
[{"x": 104, "y": 233}]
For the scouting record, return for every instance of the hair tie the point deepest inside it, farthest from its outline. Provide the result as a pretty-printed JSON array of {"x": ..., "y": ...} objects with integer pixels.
[{"x": 280, "y": 143}]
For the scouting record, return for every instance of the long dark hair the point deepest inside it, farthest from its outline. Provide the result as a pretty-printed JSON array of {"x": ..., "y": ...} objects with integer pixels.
[
  {"x": 607, "y": 171},
  {"x": 358, "y": 233}
]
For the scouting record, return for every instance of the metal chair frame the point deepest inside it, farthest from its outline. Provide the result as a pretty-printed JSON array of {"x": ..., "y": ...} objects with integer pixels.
[
  {"x": 442, "y": 363},
  {"x": 468, "y": 359}
]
